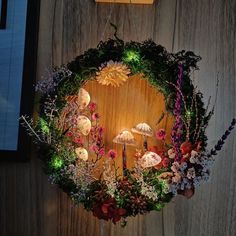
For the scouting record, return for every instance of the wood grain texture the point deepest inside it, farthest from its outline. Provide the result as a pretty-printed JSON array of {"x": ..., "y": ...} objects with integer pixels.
[
  {"x": 121, "y": 108},
  {"x": 30, "y": 206}
]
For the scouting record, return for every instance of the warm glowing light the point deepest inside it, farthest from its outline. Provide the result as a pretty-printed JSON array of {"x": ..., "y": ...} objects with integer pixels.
[
  {"x": 125, "y": 137},
  {"x": 143, "y": 128},
  {"x": 150, "y": 159}
]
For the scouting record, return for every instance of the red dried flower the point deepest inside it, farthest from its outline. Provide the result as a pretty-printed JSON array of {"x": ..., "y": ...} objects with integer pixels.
[
  {"x": 108, "y": 210},
  {"x": 101, "y": 152},
  {"x": 78, "y": 140},
  {"x": 165, "y": 162},
  {"x": 186, "y": 147},
  {"x": 69, "y": 134},
  {"x": 153, "y": 149},
  {"x": 161, "y": 134},
  {"x": 92, "y": 106}
]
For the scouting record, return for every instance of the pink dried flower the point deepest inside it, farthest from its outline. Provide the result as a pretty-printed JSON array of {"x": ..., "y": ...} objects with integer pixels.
[
  {"x": 95, "y": 116},
  {"x": 112, "y": 154},
  {"x": 101, "y": 152},
  {"x": 101, "y": 130},
  {"x": 92, "y": 106},
  {"x": 94, "y": 148},
  {"x": 161, "y": 134}
]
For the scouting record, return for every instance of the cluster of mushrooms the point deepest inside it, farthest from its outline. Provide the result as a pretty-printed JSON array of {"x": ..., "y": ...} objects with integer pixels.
[
  {"x": 149, "y": 159},
  {"x": 125, "y": 138}
]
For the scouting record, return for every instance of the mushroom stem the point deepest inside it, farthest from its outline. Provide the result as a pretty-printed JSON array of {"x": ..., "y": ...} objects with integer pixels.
[
  {"x": 124, "y": 159},
  {"x": 145, "y": 145}
]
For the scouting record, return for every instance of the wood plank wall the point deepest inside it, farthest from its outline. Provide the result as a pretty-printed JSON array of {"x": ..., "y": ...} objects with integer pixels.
[{"x": 30, "y": 206}]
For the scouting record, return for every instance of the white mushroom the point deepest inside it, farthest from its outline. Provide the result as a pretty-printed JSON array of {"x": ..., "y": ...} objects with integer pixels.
[
  {"x": 83, "y": 98},
  {"x": 145, "y": 130},
  {"x": 84, "y": 125},
  {"x": 82, "y": 153},
  {"x": 150, "y": 159},
  {"x": 125, "y": 138}
]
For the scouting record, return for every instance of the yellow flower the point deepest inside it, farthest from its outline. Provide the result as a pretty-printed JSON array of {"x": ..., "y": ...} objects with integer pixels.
[{"x": 114, "y": 74}]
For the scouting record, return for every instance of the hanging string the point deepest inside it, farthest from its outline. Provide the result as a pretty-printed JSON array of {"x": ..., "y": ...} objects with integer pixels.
[{"x": 108, "y": 21}]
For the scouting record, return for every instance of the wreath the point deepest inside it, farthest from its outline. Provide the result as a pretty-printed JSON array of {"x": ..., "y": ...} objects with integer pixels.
[{"x": 71, "y": 140}]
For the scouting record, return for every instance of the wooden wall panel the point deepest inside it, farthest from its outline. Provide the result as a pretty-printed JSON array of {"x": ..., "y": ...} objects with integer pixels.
[
  {"x": 30, "y": 206},
  {"x": 208, "y": 28},
  {"x": 114, "y": 106}
]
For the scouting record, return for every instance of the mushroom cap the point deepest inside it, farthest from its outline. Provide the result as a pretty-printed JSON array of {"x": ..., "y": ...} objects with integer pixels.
[
  {"x": 125, "y": 137},
  {"x": 150, "y": 159},
  {"x": 82, "y": 153},
  {"x": 83, "y": 98},
  {"x": 143, "y": 128},
  {"x": 84, "y": 124}
]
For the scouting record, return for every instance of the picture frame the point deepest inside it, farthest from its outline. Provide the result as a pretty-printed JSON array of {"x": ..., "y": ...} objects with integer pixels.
[
  {"x": 3, "y": 14},
  {"x": 22, "y": 153}
]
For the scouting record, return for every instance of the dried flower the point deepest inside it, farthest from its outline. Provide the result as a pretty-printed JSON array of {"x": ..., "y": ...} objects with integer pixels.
[
  {"x": 171, "y": 153},
  {"x": 161, "y": 134},
  {"x": 112, "y": 154},
  {"x": 186, "y": 147},
  {"x": 108, "y": 210},
  {"x": 101, "y": 130},
  {"x": 191, "y": 173},
  {"x": 176, "y": 178},
  {"x": 113, "y": 73},
  {"x": 101, "y": 152},
  {"x": 94, "y": 148},
  {"x": 165, "y": 162},
  {"x": 92, "y": 106},
  {"x": 193, "y": 157},
  {"x": 175, "y": 166},
  {"x": 175, "y": 133},
  {"x": 95, "y": 116},
  {"x": 78, "y": 140}
]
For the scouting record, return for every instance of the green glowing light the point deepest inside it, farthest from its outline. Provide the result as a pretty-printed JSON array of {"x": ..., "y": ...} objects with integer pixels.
[
  {"x": 57, "y": 162},
  {"x": 44, "y": 126},
  {"x": 131, "y": 56},
  {"x": 189, "y": 114},
  {"x": 158, "y": 206}
]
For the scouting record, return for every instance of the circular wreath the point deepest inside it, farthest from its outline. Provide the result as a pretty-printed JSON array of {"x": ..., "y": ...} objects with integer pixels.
[{"x": 68, "y": 118}]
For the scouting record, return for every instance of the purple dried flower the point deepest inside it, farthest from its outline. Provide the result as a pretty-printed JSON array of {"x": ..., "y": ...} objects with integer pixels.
[
  {"x": 221, "y": 142},
  {"x": 175, "y": 133}
]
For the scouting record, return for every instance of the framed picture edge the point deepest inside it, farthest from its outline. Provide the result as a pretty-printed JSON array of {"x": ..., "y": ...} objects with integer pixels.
[
  {"x": 24, "y": 143},
  {"x": 3, "y": 14}
]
